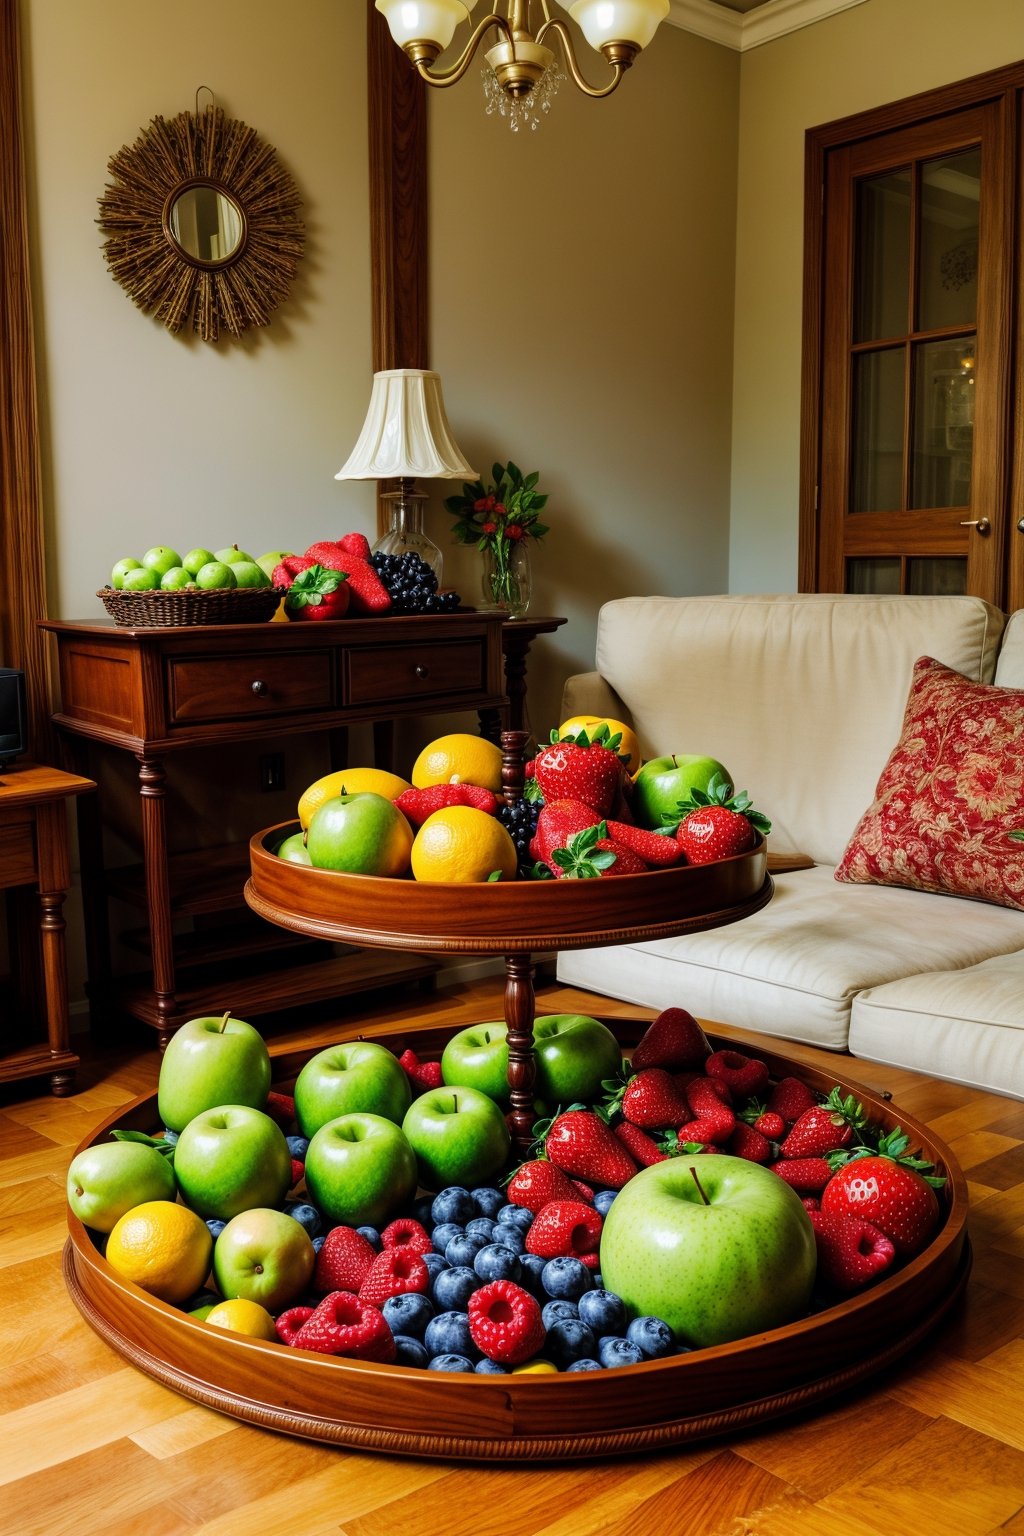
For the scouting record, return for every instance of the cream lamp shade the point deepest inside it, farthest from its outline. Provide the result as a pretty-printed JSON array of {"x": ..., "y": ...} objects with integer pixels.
[
  {"x": 618, "y": 21},
  {"x": 406, "y": 432},
  {"x": 413, "y": 21}
]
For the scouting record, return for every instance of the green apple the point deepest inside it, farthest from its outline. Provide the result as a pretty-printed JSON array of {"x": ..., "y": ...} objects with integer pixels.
[
  {"x": 355, "y": 1077},
  {"x": 574, "y": 1053},
  {"x": 719, "y": 1247},
  {"x": 249, "y": 574},
  {"x": 175, "y": 579},
  {"x": 121, "y": 570},
  {"x": 196, "y": 559},
  {"x": 459, "y": 1136},
  {"x": 360, "y": 1169},
  {"x": 663, "y": 782},
  {"x": 272, "y": 559},
  {"x": 143, "y": 579},
  {"x": 215, "y": 574},
  {"x": 161, "y": 558},
  {"x": 106, "y": 1180},
  {"x": 264, "y": 1255},
  {"x": 233, "y": 555},
  {"x": 211, "y": 1061},
  {"x": 294, "y": 849},
  {"x": 229, "y": 1159},
  {"x": 360, "y": 834}
]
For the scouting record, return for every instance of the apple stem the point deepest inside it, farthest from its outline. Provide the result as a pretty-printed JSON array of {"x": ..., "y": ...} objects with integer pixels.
[
  {"x": 700, "y": 1190},
  {"x": 223, "y": 1022}
]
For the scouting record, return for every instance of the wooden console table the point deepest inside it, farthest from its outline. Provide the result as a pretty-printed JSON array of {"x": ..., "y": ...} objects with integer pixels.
[
  {"x": 155, "y": 692},
  {"x": 34, "y": 853}
]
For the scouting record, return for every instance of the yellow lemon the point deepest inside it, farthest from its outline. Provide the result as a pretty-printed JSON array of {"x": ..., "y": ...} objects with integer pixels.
[
  {"x": 459, "y": 758},
  {"x": 165, "y": 1249},
  {"x": 354, "y": 781},
  {"x": 628, "y": 748},
  {"x": 538, "y": 1367},
  {"x": 461, "y": 845},
  {"x": 242, "y": 1316}
]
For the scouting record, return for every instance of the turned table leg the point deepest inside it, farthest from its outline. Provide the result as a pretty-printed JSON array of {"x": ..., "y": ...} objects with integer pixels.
[{"x": 152, "y": 802}]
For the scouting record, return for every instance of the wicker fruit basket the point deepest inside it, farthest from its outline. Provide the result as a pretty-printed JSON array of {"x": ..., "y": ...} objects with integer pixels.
[{"x": 219, "y": 605}]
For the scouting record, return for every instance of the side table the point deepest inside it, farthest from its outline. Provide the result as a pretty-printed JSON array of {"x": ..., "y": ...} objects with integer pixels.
[
  {"x": 34, "y": 852},
  {"x": 517, "y": 635}
]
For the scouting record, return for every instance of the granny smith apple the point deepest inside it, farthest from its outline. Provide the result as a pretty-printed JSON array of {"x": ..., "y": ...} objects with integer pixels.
[
  {"x": 360, "y": 1169},
  {"x": 264, "y": 1255},
  {"x": 142, "y": 579},
  {"x": 176, "y": 579},
  {"x": 211, "y": 1061},
  {"x": 719, "y": 1247},
  {"x": 231, "y": 1158},
  {"x": 161, "y": 558},
  {"x": 196, "y": 559},
  {"x": 355, "y": 1077},
  {"x": 214, "y": 575},
  {"x": 360, "y": 834},
  {"x": 232, "y": 555},
  {"x": 663, "y": 782},
  {"x": 121, "y": 570},
  {"x": 106, "y": 1180},
  {"x": 459, "y": 1136},
  {"x": 574, "y": 1054},
  {"x": 272, "y": 559},
  {"x": 294, "y": 849},
  {"x": 249, "y": 574}
]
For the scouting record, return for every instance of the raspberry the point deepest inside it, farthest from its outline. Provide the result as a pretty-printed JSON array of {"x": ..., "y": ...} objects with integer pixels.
[
  {"x": 280, "y": 1107},
  {"x": 746, "y": 1076},
  {"x": 298, "y": 1172},
  {"x": 344, "y": 1325},
  {"x": 287, "y": 1324},
  {"x": 393, "y": 1271},
  {"x": 564, "y": 1228},
  {"x": 421, "y": 1074},
  {"x": 343, "y": 1261},
  {"x": 407, "y": 1234},
  {"x": 505, "y": 1322}
]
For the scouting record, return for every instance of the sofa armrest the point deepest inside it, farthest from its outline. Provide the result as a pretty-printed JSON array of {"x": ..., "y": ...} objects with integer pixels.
[{"x": 587, "y": 693}]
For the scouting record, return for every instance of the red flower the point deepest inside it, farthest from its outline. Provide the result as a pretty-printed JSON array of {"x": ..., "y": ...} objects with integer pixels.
[
  {"x": 513, "y": 531},
  {"x": 488, "y": 528},
  {"x": 484, "y": 504},
  {"x": 499, "y": 507}
]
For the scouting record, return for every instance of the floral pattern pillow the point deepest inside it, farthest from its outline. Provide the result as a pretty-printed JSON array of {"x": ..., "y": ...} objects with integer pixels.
[{"x": 948, "y": 812}]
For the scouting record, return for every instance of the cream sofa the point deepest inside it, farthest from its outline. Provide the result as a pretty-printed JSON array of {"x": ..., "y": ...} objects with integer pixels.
[{"x": 802, "y": 697}]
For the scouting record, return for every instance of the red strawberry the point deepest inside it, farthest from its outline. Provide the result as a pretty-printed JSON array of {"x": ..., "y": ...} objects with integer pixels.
[
  {"x": 557, "y": 823},
  {"x": 744, "y": 1075},
  {"x": 713, "y": 832},
  {"x": 807, "y": 1175},
  {"x": 581, "y": 1144},
  {"x": 329, "y": 552},
  {"x": 748, "y": 1143},
  {"x": 369, "y": 594},
  {"x": 280, "y": 1107},
  {"x": 770, "y": 1125},
  {"x": 287, "y": 1324},
  {"x": 891, "y": 1190},
  {"x": 343, "y": 1261},
  {"x": 344, "y": 1325},
  {"x": 579, "y": 770},
  {"x": 825, "y": 1128},
  {"x": 624, "y": 860},
  {"x": 286, "y": 572},
  {"x": 583, "y": 1191},
  {"x": 535, "y": 1183},
  {"x": 564, "y": 1228},
  {"x": 405, "y": 1233},
  {"x": 505, "y": 1322},
  {"x": 713, "y": 1120},
  {"x": 653, "y": 847},
  {"x": 639, "y": 1145},
  {"x": 789, "y": 1098},
  {"x": 421, "y": 1074},
  {"x": 298, "y": 1172},
  {"x": 673, "y": 1040},
  {"x": 318, "y": 593},
  {"x": 851, "y": 1252},
  {"x": 417, "y": 804},
  {"x": 393, "y": 1272},
  {"x": 652, "y": 1101},
  {"x": 355, "y": 545}
]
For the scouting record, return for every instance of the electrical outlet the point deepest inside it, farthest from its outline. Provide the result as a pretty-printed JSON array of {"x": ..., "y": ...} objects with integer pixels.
[{"x": 272, "y": 771}]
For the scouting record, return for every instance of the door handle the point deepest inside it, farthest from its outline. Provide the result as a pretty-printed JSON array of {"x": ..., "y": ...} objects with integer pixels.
[{"x": 981, "y": 523}]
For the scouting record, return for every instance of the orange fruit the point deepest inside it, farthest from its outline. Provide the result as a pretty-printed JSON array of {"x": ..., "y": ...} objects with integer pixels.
[
  {"x": 163, "y": 1248},
  {"x": 354, "y": 781},
  {"x": 461, "y": 845},
  {"x": 628, "y": 748},
  {"x": 459, "y": 759},
  {"x": 241, "y": 1316}
]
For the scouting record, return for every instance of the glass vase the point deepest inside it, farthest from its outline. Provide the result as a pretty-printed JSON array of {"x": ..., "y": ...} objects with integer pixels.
[
  {"x": 405, "y": 534},
  {"x": 506, "y": 577}
]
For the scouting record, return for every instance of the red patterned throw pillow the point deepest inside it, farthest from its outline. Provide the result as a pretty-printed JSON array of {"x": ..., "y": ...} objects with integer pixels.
[{"x": 948, "y": 812}]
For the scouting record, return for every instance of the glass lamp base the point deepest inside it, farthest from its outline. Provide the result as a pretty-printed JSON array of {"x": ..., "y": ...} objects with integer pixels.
[{"x": 405, "y": 535}]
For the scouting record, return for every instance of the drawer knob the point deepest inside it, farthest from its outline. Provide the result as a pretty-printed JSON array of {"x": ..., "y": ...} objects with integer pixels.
[
  {"x": 260, "y": 689},
  {"x": 421, "y": 671}
]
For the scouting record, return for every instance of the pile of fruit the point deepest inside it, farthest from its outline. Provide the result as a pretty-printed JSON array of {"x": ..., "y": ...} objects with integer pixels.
[
  {"x": 583, "y": 813},
  {"x": 201, "y": 569},
  {"x": 683, "y": 1198}
]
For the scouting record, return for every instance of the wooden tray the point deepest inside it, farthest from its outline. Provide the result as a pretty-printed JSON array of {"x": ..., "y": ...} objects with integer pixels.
[{"x": 556, "y": 1417}]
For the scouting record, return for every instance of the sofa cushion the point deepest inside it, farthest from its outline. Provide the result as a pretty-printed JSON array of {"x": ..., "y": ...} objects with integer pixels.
[
  {"x": 1010, "y": 661},
  {"x": 965, "y": 1025},
  {"x": 801, "y": 696},
  {"x": 793, "y": 969},
  {"x": 948, "y": 812}
]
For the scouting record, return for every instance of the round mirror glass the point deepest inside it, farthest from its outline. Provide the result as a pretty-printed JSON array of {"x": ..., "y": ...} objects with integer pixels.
[{"x": 207, "y": 224}]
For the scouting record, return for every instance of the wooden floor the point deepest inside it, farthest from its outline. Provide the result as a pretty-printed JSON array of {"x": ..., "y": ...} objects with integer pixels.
[{"x": 88, "y": 1444}]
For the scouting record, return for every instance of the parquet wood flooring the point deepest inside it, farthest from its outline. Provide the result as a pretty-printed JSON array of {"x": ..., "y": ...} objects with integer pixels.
[{"x": 89, "y": 1445}]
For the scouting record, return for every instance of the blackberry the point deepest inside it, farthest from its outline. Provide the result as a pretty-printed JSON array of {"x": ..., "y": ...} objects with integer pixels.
[
  {"x": 520, "y": 822},
  {"x": 412, "y": 585}
]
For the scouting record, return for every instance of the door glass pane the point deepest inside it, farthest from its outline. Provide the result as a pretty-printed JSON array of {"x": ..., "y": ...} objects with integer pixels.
[
  {"x": 873, "y": 573},
  {"x": 948, "y": 261},
  {"x": 943, "y": 427},
  {"x": 937, "y": 576},
  {"x": 882, "y": 257},
  {"x": 876, "y": 454}
]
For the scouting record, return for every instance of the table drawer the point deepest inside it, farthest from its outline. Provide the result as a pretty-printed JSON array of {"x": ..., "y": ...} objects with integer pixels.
[
  {"x": 210, "y": 688},
  {"x": 397, "y": 674},
  {"x": 17, "y": 852}
]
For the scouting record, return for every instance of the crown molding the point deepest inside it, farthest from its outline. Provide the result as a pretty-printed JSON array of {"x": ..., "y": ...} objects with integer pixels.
[{"x": 742, "y": 32}]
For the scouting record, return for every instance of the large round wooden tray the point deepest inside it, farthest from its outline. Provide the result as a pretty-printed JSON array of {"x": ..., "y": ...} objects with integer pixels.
[{"x": 512, "y": 1418}]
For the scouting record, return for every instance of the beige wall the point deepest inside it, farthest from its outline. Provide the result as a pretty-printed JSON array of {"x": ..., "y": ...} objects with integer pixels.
[{"x": 861, "y": 58}]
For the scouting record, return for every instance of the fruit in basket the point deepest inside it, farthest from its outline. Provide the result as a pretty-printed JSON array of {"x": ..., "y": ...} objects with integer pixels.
[
  {"x": 214, "y": 576},
  {"x": 232, "y": 1158},
  {"x": 161, "y": 558},
  {"x": 196, "y": 559},
  {"x": 177, "y": 579},
  {"x": 718, "y": 823},
  {"x": 716, "y": 1246},
  {"x": 360, "y": 1169},
  {"x": 269, "y": 562},
  {"x": 351, "y": 781},
  {"x": 294, "y": 849},
  {"x": 142, "y": 579},
  {"x": 232, "y": 555},
  {"x": 627, "y": 748},
  {"x": 163, "y": 1248},
  {"x": 458, "y": 758},
  {"x": 106, "y": 1180},
  {"x": 584, "y": 1146},
  {"x": 121, "y": 570},
  {"x": 574, "y": 1054},
  {"x": 211, "y": 1061},
  {"x": 891, "y": 1189},
  {"x": 248, "y": 573},
  {"x": 459, "y": 1137},
  {"x": 263, "y": 1255},
  {"x": 462, "y": 845},
  {"x": 360, "y": 834},
  {"x": 354, "y": 1077},
  {"x": 580, "y": 770},
  {"x": 664, "y": 782},
  {"x": 245, "y": 1317}
]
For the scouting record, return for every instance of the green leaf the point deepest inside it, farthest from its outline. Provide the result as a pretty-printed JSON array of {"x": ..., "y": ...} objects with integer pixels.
[
  {"x": 494, "y": 875},
  {"x": 165, "y": 1148},
  {"x": 531, "y": 479}
]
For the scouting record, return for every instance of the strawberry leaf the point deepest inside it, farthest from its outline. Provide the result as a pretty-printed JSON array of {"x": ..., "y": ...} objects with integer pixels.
[{"x": 165, "y": 1148}]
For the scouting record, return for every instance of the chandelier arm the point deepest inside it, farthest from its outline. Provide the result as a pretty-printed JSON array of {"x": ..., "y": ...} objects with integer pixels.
[
  {"x": 454, "y": 75},
  {"x": 555, "y": 24}
]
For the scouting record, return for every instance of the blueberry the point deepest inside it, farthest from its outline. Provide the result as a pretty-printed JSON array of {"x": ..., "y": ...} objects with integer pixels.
[
  {"x": 410, "y": 1351},
  {"x": 422, "y": 1211},
  {"x": 305, "y": 1214},
  {"x": 450, "y": 1363},
  {"x": 435, "y": 1262},
  {"x": 480, "y": 1226},
  {"x": 603, "y": 1199},
  {"x": 448, "y": 1334},
  {"x": 512, "y": 1237},
  {"x": 216, "y": 1226},
  {"x": 372, "y": 1237},
  {"x": 488, "y": 1201},
  {"x": 496, "y": 1262},
  {"x": 557, "y": 1311},
  {"x": 298, "y": 1146},
  {"x": 452, "y": 1288},
  {"x": 603, "y": 1311},
  {"x": 453, "y": 1204},
  {"x": 584, "y": 1365},
  {"x": 517, "y": 1215},
  {"x": 408, "y": 1313},
  {"x": 487, "y": 1367},
  {"x": 532, "y": 1267},
  {"x": 652, "y": 1337},
  {"x": 615, "y": 1351},
  {"x": 566, "y": 1277},
  {"x": 318, "y": 1241},
  {"x": 463, "y": 1249},
  {"x": 569, "y": 1339},
  {"x": 443, "y": 1234}
]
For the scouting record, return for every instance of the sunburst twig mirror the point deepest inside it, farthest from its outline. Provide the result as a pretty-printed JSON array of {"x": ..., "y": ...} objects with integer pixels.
[{"x": 202, "y": 224}]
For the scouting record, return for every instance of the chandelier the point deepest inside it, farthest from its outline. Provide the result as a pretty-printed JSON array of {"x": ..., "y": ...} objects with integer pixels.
[{"x": 523, "y": 72}]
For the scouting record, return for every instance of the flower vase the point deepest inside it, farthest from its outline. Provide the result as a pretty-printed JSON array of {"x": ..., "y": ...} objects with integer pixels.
[{"x": 506, "y": 578}]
